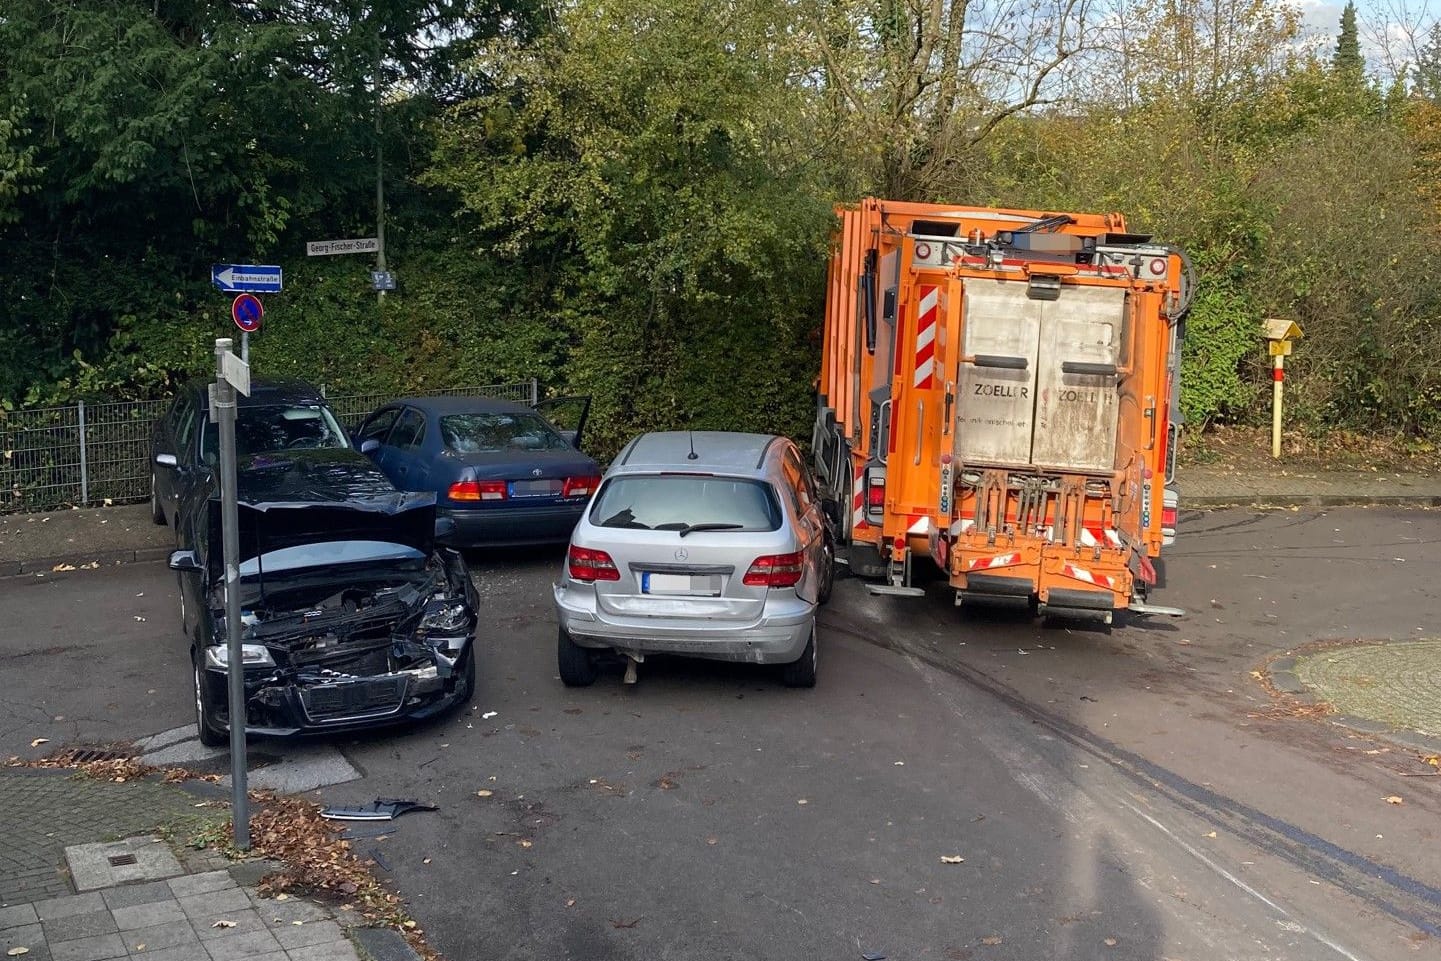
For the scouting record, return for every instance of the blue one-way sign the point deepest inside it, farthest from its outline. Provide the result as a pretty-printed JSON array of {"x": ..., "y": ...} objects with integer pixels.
[{"x": 246, "y": 278}]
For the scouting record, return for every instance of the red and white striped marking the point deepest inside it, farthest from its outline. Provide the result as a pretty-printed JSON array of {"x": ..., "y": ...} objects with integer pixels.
[
  {"x": 987, "y": 563},
  {"x": 1095, "y": 536},
  {"x": 927, "y": 313},
  {"x": 919, "y": 525},
  {"x": 1081, "y": 574},
  {"x": 858, "y": 501}
]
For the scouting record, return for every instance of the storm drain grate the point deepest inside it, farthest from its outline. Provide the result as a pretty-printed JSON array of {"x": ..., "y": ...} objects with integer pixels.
[
  {"x": 83, "y": 754},
  {"x": 120, "y": 860}
]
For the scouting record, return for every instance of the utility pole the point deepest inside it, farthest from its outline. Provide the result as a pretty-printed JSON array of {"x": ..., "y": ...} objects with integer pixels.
[
  {"x": 228, "y": 376},
  {"x": 379, "y": 168}
]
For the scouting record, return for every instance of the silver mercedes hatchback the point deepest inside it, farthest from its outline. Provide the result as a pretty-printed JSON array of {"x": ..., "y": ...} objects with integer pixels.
[{"x": 707, "y": 544}]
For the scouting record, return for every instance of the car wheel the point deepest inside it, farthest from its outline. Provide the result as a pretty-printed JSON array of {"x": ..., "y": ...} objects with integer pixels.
[
  {"x": 802, "y": 671},
  {"x": 467, "y": 679},
  {"x": 157, "y": 513},
  {"x": 577, "y": 664},
  {"x": 211, "y": 734},
  {"x": 828, "y": 571}
]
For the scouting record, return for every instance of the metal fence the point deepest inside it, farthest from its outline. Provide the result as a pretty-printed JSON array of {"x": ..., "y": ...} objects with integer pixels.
[{"x": 99, "y": 453}]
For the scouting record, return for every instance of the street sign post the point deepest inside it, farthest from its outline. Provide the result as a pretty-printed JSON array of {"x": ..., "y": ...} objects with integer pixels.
[
  {"x": 246, "y": 311},
  {"x": 355, "y": 245},
  {"x": 246, "y": 278},
  {"x": 232, "y": 374}
]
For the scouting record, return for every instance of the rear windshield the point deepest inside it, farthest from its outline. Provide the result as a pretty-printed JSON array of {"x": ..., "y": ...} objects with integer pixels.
[
  {"x": 676, "y": 501},
  {"x": 477, "y": 433}
]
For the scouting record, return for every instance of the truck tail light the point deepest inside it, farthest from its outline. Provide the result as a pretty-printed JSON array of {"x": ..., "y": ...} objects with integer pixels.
[
  {"x": 1168, "y": 517},
  {"x": 589, "y": 565},
  {"x": 470, "y": 490},
  {"x": 875, "y": 493},
  {"x": 775, "y": 570},
  {"x": 579, "y": 486}
]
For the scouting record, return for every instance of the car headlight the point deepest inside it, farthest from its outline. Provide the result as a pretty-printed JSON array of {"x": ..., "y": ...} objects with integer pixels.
[
  {"x": 445, "y": 617},
  {"x": 251, "y": 655}
]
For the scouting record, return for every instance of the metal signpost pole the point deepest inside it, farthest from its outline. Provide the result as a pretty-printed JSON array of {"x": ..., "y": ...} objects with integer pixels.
[
  {"x": 245, "y": 346},
  {"x": 225, "y": 411}
]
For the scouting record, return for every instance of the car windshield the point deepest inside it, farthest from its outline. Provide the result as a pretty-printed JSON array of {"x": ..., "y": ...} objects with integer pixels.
[
  {"x": 260, "y": 430},
  {"x": 500, "y": 430},
  {"x": 680, "y": 501}
]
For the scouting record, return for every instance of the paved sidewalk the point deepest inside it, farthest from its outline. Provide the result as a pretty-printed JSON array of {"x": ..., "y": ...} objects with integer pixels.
[
  {"x": 1210, "y": 487},
  {"x": 102, "y": 536},
  {"x": 70, "y": 891}
]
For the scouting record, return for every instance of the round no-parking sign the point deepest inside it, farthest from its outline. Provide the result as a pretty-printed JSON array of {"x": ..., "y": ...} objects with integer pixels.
[{"x": 247, "y": 312}]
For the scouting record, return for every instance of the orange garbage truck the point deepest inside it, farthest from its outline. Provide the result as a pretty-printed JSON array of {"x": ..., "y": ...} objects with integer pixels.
[{"x": 998, "y": 394}]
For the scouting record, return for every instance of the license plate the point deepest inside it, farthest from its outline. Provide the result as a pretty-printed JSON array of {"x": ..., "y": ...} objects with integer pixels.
[
  {"x": 703, "y": 585},
  {"x": 534, "y": 488}
]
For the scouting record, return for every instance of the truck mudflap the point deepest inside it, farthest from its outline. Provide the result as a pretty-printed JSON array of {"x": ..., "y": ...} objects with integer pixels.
[{"x": 1078, "y": 605}]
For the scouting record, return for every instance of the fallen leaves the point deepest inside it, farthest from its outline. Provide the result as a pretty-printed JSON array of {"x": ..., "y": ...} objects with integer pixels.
[
  {"x": 222, "y": 923},
  {"x": 16, "y": 952},
  {"x": 484, "y": 792},
  {"x": 1109, "y": 942},
  {"x": 952, "y": 859},
  {"x": 39, "y": 741},
  {"x": 570, "y": 902},
  {"x": 991, "y": 939},
  {"x": 1394, "y": 799},
  {"x": 1211, "y": 834}
]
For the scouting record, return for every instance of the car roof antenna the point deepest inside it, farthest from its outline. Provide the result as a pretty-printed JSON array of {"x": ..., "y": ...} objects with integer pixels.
[{"x": 692, "y": 455}]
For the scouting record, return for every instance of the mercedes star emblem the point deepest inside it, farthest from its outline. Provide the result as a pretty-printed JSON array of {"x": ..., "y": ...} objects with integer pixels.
[{"x": 681, "y": 554}]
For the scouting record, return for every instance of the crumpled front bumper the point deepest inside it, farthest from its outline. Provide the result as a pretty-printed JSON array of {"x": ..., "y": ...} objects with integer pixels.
[{"x": 281, "y": 704}]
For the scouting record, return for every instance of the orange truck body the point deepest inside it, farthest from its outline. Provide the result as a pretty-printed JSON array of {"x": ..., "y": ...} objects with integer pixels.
[{"x": 998, "y": 394}]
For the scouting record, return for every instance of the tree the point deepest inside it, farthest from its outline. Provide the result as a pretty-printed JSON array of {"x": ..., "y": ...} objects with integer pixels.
[
  {"x": 1347, "y": 59},
  {"x": 661, "y": 164},
  {"x": 1426, "y": 74}
]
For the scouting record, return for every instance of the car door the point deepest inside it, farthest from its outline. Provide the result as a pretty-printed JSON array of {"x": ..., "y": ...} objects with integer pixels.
[
  {"x": 191, "y": 476},
  {"x": 567, "y": 415},
  {"x": 810, "y": 525},
  {"x": 163, "y": 444},
  {"x": 400, "y": 453}
]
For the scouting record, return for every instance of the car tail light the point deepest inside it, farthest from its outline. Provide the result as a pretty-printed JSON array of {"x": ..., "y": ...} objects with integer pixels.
[
  {"x": 579, "y": 486},
  {"x": 1168, "y": 517},
  {"x": 875, "y": 492},
  {"x": 588, "y": 565},
  {"x": 774, "y": 570},
  {"x": 477, "y": 491}
]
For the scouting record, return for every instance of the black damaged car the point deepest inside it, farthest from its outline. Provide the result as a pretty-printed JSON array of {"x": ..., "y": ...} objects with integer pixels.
[{"x": 352, "y": 614}]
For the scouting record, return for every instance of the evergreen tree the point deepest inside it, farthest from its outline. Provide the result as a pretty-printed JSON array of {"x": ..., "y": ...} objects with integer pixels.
[{"x": 1347, "y": 58}]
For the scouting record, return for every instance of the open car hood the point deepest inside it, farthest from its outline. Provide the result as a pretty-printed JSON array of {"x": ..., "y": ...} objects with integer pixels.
[{"x": 319, "y": 497}]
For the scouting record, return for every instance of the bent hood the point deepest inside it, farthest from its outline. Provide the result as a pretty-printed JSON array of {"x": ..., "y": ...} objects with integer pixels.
[{"x": 316, "y": 497}]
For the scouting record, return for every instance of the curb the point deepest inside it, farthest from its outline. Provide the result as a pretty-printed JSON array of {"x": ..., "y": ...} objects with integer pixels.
[
  {"x": 1216, "y": 501},
  {"x": 1282, "y": 672},
  {"x": 112, "y": 558}
]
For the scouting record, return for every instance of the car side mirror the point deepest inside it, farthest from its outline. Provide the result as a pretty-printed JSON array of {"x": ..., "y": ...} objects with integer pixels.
[
  {"x": 185, "y": 561},
  {"x": 445, "y": 528},
  {"x": 166, "y": 460},
  {"x": 832, "y": 510},
  {"x": 369, "y": 446},
  {"x": 570, "y": 436}
]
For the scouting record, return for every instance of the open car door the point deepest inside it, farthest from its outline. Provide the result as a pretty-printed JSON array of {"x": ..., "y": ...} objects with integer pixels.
[{"x": 567, "y": 415}]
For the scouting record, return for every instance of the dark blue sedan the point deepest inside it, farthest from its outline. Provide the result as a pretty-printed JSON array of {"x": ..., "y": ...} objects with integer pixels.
[{"x": 500, "y": 469}]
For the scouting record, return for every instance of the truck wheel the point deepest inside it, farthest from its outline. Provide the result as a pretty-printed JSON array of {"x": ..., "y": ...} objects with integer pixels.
[
  {"x": 802, "y": 671},
  {"x": 576, "y": 663}
]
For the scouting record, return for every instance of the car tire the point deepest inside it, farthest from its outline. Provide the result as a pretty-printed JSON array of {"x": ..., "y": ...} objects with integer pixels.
[
  {"x": 211, "y": 735},
  {"x": 828, "y": 573},
  {"x": 157, "y": 513},
  {"x": 802, "y": 671},
  {"x": 467, "y": 679},
  {"x": 577, "y": 664}
]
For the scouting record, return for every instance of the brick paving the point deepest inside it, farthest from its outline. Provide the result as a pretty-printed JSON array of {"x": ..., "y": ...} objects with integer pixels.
[
  {"x": 199, "y": 917},
  {"x": 43, "y": 812},
  {"x": 1393, "y": 683}
]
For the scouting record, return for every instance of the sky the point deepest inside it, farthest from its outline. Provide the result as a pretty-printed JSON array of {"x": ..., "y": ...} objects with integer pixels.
[{"x": 1386, "y": 26}]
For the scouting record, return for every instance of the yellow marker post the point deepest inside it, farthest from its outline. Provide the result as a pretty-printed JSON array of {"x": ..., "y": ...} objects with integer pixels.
[{"x": 1280, "y": 334}]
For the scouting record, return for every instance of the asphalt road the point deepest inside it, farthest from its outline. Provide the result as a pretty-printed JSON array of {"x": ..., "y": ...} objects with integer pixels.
[{"x": 1121, "y": 794}]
